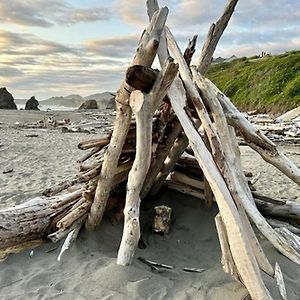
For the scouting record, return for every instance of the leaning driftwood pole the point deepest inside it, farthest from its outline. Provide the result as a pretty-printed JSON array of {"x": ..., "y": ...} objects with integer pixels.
[
  {"x": 241, "y": 251},
  {"x": 145, "y": 55},
  {"x": 143, "y": 106},
  {"x": 164, "y": 147},
  {"x": 233, "y": 172},
  {"x": 213, "y": 36},
  {"x": 211, "y": 42}
]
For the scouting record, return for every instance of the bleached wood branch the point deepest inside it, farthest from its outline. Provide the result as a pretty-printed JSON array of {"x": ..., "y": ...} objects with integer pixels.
[
  {"x": 227, "y": 260},
  {"x": 280, "y": 208},
  {"x": 71, "y": 237},
  {"x": 230, "y": 164},
  {"x": 145, "y": 55},
  {"x": 213, "y": 36},
  {"x": 257, "y": 140},
  {"x": 280, "y": 282},
  {"x": 234, "y": 175},
  {"x": 241, "y": 251},
  {"x": 101, "y": 142},
  {"x": 143, "y": 106},
  {"x": 279, "y": 224}
]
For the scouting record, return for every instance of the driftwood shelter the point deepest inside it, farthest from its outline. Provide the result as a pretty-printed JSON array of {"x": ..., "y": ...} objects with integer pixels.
[{"x": 173, "y": 126}]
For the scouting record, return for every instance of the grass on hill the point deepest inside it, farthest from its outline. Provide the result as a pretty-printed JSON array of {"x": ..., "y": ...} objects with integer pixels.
[{"x": 268, "y": 84}]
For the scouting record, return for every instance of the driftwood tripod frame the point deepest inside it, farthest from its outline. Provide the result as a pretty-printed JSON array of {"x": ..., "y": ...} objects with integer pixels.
[{"x": 172, "y": 108}]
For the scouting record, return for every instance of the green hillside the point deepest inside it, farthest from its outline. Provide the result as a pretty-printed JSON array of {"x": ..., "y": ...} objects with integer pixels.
[{"x": 269, "y": 84}]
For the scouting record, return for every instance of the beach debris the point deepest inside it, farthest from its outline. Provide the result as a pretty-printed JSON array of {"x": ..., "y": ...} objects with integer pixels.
[
  {"x": 255, "y": 178},
  {"x": 154, "y": 265},
  {"x": 7, "y": 170},
  {"x": 279, "y": 224},
  {"x": 69, "y": 239},
  {"x": 158, "y": 266},
  {"x": 32, "y": 135},
  {"x": 193, "y": 270},
  {"x": 280, "y": 282},
  {"x": 289, "y": 116},
  {"x": 181, "y": 108},
  {"x": 45, "y": 123},
  {"x": 281, "y": 129},
  {"x": 32, "y": 104},
  {"x": 76, "y": 129},
  {"x": 162, "y": 219}
]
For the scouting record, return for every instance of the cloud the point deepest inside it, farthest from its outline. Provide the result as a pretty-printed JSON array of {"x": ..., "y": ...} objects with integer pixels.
[
  {"x": 117, "y": 47},
  {"x": 44, "y": 13},
  {"x": 6, "y": 71},
  {"x": 30, "y": 65},
  {"x": 255, "y": 20},
  {"x": 12, "y": 43}
]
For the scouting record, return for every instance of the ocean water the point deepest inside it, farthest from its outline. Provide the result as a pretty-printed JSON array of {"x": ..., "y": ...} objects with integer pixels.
[{"x": 50, "y": 107}]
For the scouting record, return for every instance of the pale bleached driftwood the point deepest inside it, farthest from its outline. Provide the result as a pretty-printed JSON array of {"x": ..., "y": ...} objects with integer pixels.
[
  {"x": 280, "y": 282},
  {"x": 227, "y": 260},
  {"x": 257, "y": 140},
  {"x": 230, "y": 164},
  {"x": 267, "y": 206},
  {"x": 277, "y": 208},
  {"x": 174, "y": 148},
  {"x": 234, "y": 174},
  {"x": 89, "y": 154},
  {"x": 213, "y": 36},
  {"x": 145, "y": 55},
  {"x": 162, "y": 152},
  {"x": 178, "y": 176},
  {"x": 240, "y": 249},
  {"x": 143, "y": 106},
  {"x": 61, "y": 233},
  {"x": 279, "y": 224},
  {"x": 71, "y": 237},
  {"x": 100, "y": 142},
  {"x": 37, "y": 214},
  {"x": 74, "y": 215},
  {"x": 184, "y": 189},
  {"x": 292, "y": 239}
]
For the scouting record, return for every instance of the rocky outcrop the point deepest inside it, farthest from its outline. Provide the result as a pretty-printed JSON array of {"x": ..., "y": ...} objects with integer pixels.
[
  {"x": 111, "y": 104},
  {"x": 89, "y": 104},
  {"x": 6, "y": 99},
  {"x": 32, "y": 104}
]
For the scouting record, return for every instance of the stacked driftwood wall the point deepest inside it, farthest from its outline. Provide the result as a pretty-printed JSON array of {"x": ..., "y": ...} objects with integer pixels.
[{"x": 159, "y": 114}]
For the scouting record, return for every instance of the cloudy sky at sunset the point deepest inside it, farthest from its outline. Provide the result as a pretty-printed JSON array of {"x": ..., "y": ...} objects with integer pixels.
[{"x": 60, "y": 47}]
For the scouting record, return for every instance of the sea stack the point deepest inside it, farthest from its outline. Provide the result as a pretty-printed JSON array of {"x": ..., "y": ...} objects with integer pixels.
[
  {"x": 89, "y": 104},
  {"x": 32, "y": 104},
  {"x": 6, "y": 99}
]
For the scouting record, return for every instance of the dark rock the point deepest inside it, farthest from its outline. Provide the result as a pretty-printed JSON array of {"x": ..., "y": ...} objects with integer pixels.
[
  {"x": 89, "y": 104},
  {"x": 7, "y": 170},
  {"x": 6, "y": 99},
  {"x": 111, "y": 104},
  {"x": 32, "y": 104}
]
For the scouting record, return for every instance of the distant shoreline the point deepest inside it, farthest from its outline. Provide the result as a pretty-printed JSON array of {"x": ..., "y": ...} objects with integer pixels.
[{"x": 50, "y": 107}]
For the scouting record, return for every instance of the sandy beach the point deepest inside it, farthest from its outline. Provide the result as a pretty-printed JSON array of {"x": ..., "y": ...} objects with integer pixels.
[{"x": 40, "y": 158}]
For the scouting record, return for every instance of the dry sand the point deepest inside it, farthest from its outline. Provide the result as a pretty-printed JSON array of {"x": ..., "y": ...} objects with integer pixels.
[{"x": 88, "y": 270}]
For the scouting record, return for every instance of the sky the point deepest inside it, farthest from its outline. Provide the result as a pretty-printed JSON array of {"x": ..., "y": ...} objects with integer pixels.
[{"x": 61, "y": 47}]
